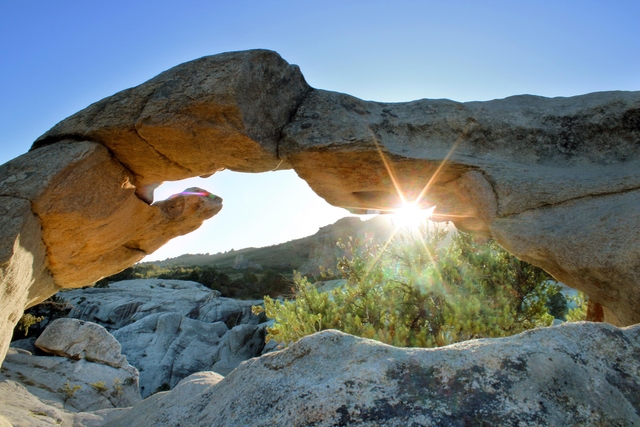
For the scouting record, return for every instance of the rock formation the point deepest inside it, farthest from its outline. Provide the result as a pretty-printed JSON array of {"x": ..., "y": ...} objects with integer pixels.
[
  {"x": 54, "y": 378},
  {"x": 168, "y": 347},
  {"x": 76, "y": 339},
  {"x": 19, "y": 407},
  {"x": 72, "y": 217},
  {"x": 574, "y": 374},
  {"x": 555, "y": 181},
  {"x": 125, "y": 302},
  {"x": 169, "y": 329}
]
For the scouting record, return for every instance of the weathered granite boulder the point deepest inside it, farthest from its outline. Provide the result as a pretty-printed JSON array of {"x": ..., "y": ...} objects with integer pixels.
[
  {"x": 167, "y": 347},
  {"x": 576, "y": 374},
  {"x": 19, "y": 407},
  {"x": 24, "y": 278},
  {"x": 169, "y": 329},
  {"x": 93, "y": 223},
  {"x": 53, "y": 379},
  {"x": 76, "y": 339},
  {"x": 69, "y": 216},
  {"x": 241, "y": 343}
]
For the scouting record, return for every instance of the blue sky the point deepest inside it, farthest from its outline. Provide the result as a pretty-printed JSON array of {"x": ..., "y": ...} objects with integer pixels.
[{"x": 58, "y": 57}]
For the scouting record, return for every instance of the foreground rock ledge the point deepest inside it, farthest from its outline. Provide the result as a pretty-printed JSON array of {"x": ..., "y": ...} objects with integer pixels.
[{"x": 576, "y": 374}]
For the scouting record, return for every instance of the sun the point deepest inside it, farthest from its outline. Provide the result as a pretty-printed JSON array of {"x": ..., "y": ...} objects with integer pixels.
[{"x": 411, "y": 216}]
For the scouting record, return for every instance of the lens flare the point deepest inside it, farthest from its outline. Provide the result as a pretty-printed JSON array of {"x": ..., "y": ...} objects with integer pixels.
[{"x": 195, "y": 191}]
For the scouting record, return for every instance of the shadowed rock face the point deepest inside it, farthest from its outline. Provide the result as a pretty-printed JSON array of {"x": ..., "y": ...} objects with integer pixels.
[{"x": 555, "y": 181}]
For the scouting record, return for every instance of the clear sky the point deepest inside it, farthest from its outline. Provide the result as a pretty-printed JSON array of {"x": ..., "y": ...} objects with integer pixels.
[{"x": 57, "y": 57}]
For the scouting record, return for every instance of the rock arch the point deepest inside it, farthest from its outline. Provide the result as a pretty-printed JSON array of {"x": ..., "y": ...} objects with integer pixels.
[{"x": 556, "y": 181}]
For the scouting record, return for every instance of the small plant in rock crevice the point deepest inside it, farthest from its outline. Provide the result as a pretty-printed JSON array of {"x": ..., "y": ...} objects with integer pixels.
[
  {"x": 99, "y": 386},
  {"x": 68, "y": 391},
  {"x": 117, "y": 388}
]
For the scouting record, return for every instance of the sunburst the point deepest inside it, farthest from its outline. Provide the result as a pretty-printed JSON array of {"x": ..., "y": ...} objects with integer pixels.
[{"x": 409, "y": 214}]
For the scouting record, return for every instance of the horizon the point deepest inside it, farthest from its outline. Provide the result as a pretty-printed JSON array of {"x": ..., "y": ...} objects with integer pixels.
[{"x": 59, "y": 58}]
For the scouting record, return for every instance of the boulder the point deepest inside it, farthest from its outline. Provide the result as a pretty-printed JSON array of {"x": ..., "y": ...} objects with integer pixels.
[
  {"x": 167, "y": 347},
  {"x": 93, "y": 223},
  {"x": 198, "y": 384},
  {"x": 21, "y": 408},
  {"x": 241, "y": 343},
  {"x": 69, "y": 216},
  {"x": 75, "y": 385},
  {"x": 575, "y": 374},
  {"x": 169, "y": 329},
  {"x": 24, "y": 279},
  {"x": 76, "y": 339}
]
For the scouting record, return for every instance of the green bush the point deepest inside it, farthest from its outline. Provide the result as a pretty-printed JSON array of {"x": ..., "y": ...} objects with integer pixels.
[
  {"x": 99, "y": 386},
  {"x": 36, "y": 318},
  {"x": 419, "y": 292},
  {"x": 26, "y": 321},
  {"x": 68, "y": 391},
  {"x": 579, "y": 312}
]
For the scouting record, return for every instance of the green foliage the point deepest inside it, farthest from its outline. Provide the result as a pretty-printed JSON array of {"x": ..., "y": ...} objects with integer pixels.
[
  {"x": 249, "y": 277},
  {"x": 117, "y": 387},
  {"x": 36, "y": 318},
  {"x": 579, "y": 312},
  {"x": 419, "y": 292},
  {"x": 68, "y": 391},
  {"x": 557, "y": 305},
  {"x": 26, "y": 321},
  {"x": 248, "y": 284}
]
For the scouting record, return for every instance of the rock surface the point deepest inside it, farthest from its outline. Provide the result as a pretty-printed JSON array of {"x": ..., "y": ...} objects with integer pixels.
[
  {"x": 70, "y": 212},
  {"x": 167, "y": 347},
  {"x": 576, "y": 374},
  {"x": 20, "y": 408},
  {"x": 93, "y": 223},
  {"x": 127, "y": 301},
  {"x": 49, "y": 377},
  {"x": 218, "y": 112},
  {"x": 76, "y": 339},
  {"x": 24, "y": 278},
  {"x": 169, "y": 329}
]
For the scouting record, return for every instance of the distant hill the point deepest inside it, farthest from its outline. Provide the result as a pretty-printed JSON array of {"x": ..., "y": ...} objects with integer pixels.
[{"x": 305, "y": 254}]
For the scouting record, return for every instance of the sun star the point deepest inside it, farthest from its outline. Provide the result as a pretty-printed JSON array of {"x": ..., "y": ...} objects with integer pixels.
[{"x": 411, "y": 216}]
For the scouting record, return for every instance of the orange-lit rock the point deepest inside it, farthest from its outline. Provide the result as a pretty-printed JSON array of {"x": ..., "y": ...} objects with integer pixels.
[{"x": 218, "y": 112}]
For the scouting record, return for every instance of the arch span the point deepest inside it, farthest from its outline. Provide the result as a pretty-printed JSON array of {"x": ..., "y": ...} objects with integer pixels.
[{"x": 556, "y": 181}]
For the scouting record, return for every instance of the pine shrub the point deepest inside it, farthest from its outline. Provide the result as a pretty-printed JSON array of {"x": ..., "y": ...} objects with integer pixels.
[{"x": 418, "y": 291}]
